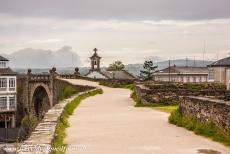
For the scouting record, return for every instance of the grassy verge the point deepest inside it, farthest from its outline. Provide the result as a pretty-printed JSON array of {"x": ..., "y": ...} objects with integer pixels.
[
  {"x": 208, "y": 129},
  {"x": 63, "y": 120},
  {"x": 117, "y": 85},
  {"x": 67, "y": 92},
  {"x": 167, "y": 109}
]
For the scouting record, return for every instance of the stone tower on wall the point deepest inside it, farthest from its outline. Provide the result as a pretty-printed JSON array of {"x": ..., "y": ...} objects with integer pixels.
[{"x": 95, "y": 61}]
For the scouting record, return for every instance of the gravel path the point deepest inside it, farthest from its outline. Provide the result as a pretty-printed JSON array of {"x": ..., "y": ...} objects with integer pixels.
[{"x": 110, "y": 124}]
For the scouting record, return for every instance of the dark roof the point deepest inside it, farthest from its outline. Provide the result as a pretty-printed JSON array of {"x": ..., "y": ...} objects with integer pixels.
[
  {"x": 3, "y": 58},
  {"x": 120, "y": 75},
  {"x": 6, "y": 71},
  {"x": 225, "y": 62},
  {"x": 185, "y": 69},
  {"x": 95, "y": 55}
]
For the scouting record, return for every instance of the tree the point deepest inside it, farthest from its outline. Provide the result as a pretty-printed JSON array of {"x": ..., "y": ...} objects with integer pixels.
[
  {"x": 116, "y": 66},
  {"x": 149, "y": 70}
]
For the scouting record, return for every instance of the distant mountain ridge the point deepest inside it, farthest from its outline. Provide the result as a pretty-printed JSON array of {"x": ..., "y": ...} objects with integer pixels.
[
  {"x": 132, "y": 68},
  {"x": 135, "y": 68}
]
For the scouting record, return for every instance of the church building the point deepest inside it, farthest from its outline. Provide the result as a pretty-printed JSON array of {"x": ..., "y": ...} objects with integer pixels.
[{"x": 95, "y": 71}]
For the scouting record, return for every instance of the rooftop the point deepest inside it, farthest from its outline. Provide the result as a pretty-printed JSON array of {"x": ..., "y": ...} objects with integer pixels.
[
  {"x": 3, "y": 58},
  {"x": 225, "y": 62},
  {"x": 185, "y": 69}
]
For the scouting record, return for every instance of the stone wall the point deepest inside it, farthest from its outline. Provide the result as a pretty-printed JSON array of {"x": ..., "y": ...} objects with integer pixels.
[
  {"x": 206, "y": 109},
  {"x": 43, "y": 135},
  {"x": 24, "y": 93},
  {"x": 170, "y": 92}
]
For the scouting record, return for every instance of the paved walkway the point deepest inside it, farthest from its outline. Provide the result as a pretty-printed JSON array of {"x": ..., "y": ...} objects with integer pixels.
[{"x": 110, "y": 124}]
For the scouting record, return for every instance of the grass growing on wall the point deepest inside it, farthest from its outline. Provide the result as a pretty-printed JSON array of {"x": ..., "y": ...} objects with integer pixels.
[
  {"x": 67, "y": 92},
  {"x": 63, "y": 120},
  {"x": 208, "y": 129}
]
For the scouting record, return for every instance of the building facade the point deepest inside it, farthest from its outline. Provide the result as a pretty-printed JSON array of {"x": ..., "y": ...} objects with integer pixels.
[
  {"x": 219, "y": 71},
  {"x": 182, "y": 74},
  {"x": 8, "y": 93}
]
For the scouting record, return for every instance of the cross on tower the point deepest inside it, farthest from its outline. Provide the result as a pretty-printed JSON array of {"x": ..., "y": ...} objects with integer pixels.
[{"x": 95, "y": 50}]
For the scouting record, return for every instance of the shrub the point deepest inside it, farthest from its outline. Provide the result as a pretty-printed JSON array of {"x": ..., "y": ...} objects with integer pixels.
[
  {"x": 207, "y": 129},
  {"x": 28, "y": 123},
  {"x": 67, "y": 92}
]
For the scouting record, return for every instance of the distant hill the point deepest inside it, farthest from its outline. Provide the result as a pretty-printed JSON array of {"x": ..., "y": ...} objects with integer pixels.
[
  {"x": 40, "y": 58},
  {"x": 135, "y": 68},
  {"x": 132, "y": 68}
]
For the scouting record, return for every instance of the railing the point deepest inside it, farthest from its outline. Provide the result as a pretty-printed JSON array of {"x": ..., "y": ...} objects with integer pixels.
[
  {"x": 4, "y": 108},
  {"x": 40, "y": 77},
  {"x": 12, "y": 134}
]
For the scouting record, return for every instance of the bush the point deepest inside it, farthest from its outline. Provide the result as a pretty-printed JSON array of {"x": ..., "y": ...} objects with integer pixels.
[
  {"x": 208, "y": 129},
  {"x": 29, "y": 123},
  {"x": 67, "y": 92}
]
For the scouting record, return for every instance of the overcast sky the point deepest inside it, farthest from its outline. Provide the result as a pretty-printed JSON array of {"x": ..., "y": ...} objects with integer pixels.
[{"x": 127, "y": 30}]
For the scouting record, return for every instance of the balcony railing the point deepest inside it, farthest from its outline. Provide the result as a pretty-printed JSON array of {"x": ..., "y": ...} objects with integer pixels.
[{"x": 5, "y": 109}]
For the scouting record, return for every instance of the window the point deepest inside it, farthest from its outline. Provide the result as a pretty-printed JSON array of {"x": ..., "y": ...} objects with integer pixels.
[
  {"x": 12, "y": 82},
  {"x": 181, "y": 79},
  {"x": 12, "y": 101},
  {"x": 3, "y": 82},
  {"x": 3, "y": 102},
  {"x": 194, "y": 79},
  {"x": 188, "y": 79},
  {"x": 95, "y": 62},
  {"x": 228, "y": 73},
  {"x": 210, "y": 74},
  {"x": 2, "y": 64}
]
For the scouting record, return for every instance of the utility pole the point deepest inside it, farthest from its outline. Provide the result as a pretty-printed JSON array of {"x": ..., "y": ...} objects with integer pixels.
[
  {"x": 169, "y": 70},
  {"x": 204, "y": 50},
  {"x": 186, "y": 61}
]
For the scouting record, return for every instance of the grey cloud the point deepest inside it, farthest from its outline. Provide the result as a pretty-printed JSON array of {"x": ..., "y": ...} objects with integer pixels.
[
  {"x": 120, "y": 9},
  {"x": 41, "y": 58}
]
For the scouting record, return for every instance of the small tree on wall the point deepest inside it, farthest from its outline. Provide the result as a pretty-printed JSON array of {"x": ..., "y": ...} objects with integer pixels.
[
  {"x": 116, "y": 66},
  {"x": 149, "y": 70}
]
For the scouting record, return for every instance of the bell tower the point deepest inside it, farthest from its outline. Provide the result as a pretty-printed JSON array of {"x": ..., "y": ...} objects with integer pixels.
[{"x": 95, "y": 61}]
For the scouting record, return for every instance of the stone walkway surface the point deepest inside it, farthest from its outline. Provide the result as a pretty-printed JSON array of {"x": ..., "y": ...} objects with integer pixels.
[{"x": 110, "y": 124}]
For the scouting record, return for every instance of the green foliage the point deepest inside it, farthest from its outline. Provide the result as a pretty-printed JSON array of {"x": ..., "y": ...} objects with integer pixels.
[
  {"x": 29, "y": 122},
  {"x": 116, "y": 66},
  {"x": 208, "y": 129},
  {"x": 148, "y": 71},
  {"x": 63, "y": 120},
  {"x": 117, "y": 85},
  {"x": 67, "y": 92},
  {"x": 167, "y": 109},
  {"x": 167, "y": 101}
]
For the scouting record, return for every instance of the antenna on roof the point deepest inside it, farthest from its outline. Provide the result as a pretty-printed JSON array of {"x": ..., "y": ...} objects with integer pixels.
[
  {"x": 194, "y": 62},
  {"x": 186, "y": 62}
]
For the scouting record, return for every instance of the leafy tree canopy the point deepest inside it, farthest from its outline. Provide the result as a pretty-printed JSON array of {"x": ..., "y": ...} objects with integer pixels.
[
  {"x": 148, "y": 71},
  {"x": 116, "y": 66}
]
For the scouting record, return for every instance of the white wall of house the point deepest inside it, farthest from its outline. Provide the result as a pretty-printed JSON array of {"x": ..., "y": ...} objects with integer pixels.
[
  {"x": 96, "y": 75},
  {"x": 182, "y": 78}
]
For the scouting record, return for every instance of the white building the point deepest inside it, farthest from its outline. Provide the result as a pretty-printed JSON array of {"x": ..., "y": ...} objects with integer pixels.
[
  {"x": 8, "y": 94},
  {"x": 183, "y": 74},
  {"x": 96, "y": 73}
]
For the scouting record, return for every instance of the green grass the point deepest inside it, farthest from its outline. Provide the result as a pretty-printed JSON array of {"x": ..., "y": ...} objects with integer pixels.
[
  {"x": 63, "y": 120},
  {"x": 67, "y": 92},
  {"x": 208, "y": 129},
  {"x": 167, "y": 109}
]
